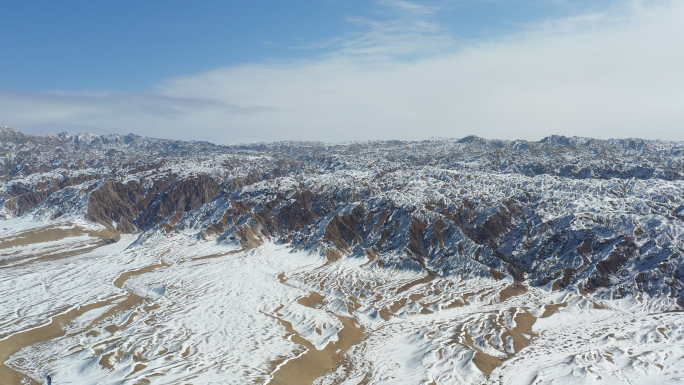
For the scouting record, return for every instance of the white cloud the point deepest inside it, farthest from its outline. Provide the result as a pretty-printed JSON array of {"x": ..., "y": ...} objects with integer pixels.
[
  {"x": 150, "y": 114},
  {"x": 612, "y": 74},
  {"x": 409, "y": 6}
]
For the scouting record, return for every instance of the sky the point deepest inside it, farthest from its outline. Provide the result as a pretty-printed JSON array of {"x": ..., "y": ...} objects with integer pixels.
[{"x": 341, "y": 70}]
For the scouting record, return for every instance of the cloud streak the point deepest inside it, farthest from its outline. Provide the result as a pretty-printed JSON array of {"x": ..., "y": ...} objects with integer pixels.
[
  {"x": 611, "y": 74},
  {"x": 148, "y": 113}
]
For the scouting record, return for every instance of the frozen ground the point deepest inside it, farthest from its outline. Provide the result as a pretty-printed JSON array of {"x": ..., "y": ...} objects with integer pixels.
[{"x": 177, "y": 309}]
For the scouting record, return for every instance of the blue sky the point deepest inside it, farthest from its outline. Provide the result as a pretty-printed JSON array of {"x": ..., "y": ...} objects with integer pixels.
[
  {"x": 130, "y": 45},
  {"x": 332, "y": 70}
]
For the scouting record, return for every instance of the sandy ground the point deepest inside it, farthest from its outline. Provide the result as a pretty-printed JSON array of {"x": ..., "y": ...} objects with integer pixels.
[
  {"x": 512, "y": 291},
  {"x": 51, "y": 233},
  {"x": 18, "y": 341},
  {"x": 10, "y": 255},
  {"x": 429, "y": 277},
  {"x": 306, "y": 368},
  {"x": 54, "y": 328}
]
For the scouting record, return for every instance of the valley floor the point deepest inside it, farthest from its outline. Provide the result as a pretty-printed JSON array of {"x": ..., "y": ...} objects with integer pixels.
[{"x": 162, "y": 309}]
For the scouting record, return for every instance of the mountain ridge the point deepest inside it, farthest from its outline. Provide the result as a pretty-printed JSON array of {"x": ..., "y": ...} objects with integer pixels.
[{"x": 604, "y": 216}]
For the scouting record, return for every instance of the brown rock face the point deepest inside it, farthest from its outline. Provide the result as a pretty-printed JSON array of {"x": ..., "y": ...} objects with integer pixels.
[
  {"x": 621, "y": 252},
  {"x": 134, "y": 205},
  {"x": 248, "y": 238},
  {"x": 115, "y": 202},
  {"x": 22, "y": 198},
  {"x": 27, "y": 197},
  {"x": 214, "y": 230},
  {"x": 181, "y": 197},
  {"x": 438, "y": 233},
  {"x": 297, "y": 215},
  {"x": 342, "y": 229},
  {"x": 416, "y": 232}
]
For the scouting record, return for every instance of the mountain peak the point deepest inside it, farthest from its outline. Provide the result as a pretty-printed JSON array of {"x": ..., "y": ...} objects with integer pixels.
[
  {"x": 9, "y": 134},
  {"x": 471, "y": 139},
  {"x": 557, "y": 140}
]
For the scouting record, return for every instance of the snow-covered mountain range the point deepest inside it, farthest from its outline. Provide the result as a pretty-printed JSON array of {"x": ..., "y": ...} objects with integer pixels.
[{"x": 443, "y": 261}]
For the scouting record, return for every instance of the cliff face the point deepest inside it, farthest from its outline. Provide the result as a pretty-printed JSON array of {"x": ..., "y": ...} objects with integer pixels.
[{"x": 603, "y": 216}]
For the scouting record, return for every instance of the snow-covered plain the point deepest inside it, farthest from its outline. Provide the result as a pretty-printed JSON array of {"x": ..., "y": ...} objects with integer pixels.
[{"x": 209, "y": 313}]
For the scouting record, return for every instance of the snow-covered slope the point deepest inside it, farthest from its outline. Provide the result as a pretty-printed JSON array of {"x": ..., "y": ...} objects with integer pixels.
[{"x": 442, "y": 261}]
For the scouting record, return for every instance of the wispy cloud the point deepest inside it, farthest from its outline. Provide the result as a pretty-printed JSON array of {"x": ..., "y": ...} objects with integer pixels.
[
  {"x": 406, "y": 29},
  {"x": 149, "y": 113},
  {"x": 615, "y": 73},
  {"x": 410, "y": 6}
]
